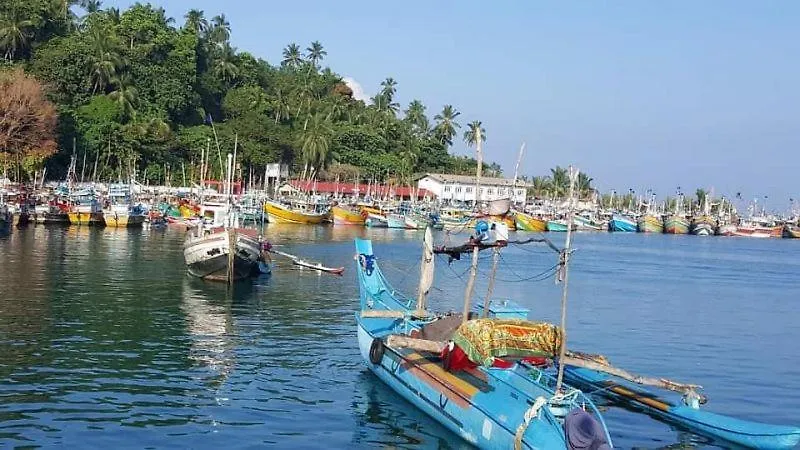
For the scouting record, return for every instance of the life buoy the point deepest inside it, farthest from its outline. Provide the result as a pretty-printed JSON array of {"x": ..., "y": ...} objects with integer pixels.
[{"x": 376, "y": 350}]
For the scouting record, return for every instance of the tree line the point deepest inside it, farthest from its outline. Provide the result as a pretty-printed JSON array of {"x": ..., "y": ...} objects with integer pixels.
[{"x": 135, "y": 93}]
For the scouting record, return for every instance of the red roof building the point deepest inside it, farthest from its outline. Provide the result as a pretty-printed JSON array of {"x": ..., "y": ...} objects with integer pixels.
[{"x": 352, "y": 190}]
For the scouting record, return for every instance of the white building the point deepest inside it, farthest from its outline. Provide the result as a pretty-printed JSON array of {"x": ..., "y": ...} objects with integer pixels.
[{"x": 462, "y": 188}]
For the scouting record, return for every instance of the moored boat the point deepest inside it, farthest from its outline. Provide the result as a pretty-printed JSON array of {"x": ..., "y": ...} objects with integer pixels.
[
  {"x": 557, "y": 225},
  {"x": 791, "y": 231},
  {"x": 650, "y": 223},
  {"x": 622, "y": 223},
  {"x": 676, "y": 224},
  {"x": 758, "y": 229},
  {"x": 394, "y": 220},
  {"x": 294, "y": 213},
  {"x": 526, "y": 222},
  {"x": 703, "y": 225},
  {"x": 121, "y": 212},
  {"x": 343, "y": 215},
  {"x": 85, "y": 209}
]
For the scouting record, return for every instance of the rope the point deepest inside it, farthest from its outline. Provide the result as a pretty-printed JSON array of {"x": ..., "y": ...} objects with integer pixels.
[{"x": 530, "y": 414}]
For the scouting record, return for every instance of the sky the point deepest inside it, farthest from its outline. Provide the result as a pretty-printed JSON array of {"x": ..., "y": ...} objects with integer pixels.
[{"x": 639, "y": 95}]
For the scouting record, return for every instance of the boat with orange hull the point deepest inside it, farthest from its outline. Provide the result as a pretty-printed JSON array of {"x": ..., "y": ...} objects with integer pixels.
[
  {"x": 347, "y": 216},
  {"x": 758, "y": 231}
]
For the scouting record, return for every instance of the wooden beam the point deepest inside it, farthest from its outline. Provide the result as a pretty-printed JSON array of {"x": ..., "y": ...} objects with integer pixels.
[
  {"x": 662, "y": 383},
  {"x": 382, "y": 314},
  {"x": 423, "y": 345}
]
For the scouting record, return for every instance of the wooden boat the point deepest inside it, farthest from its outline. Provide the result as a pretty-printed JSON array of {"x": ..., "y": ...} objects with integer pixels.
[
  {"x": 584, "y": 223},
  {"x": 296, "y": 213},
  {"x": 558, "y": 225},
  {"x": 622, "y": 223},
  {"x": 207, "y": 254},
  {"x": 86, "y": 209},
  {"x": 686, "y": 414},
  {"x": 347, "y": 216},
  {"x": 489, "y": 407},
  {"x": 703, "y": 225},
  {"x": 52, "y": 213},
  {"x": 526, "y": 222},
  {"x": 375, "y": 220},
  {"x": 396, "y": 221},
  {"x": 6, "y": 218},
  {"x": 791, "y": 231},
  {"x": 121, "y": 212},
  {"x": 676, "y": 224},
  {"x": 726, "y": 229},
  {"x": 650, "y": 223},
  {"x": 758, "y": 228}
]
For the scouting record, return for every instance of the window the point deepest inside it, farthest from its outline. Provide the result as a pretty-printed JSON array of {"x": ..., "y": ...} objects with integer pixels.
[
  {"x": 519, "y": 191},
  {"x": 469, "y": 190},
  {"x": 501, "y": 191},
  {"x": 490, "y": 191},
  {"x": 458, "y": 189},
  {"x": 447, "y": 188}
]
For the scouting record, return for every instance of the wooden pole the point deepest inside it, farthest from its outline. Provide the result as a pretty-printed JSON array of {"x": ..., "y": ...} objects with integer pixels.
[
  {"x": 565, "y": 254},
  {"x": 490, "y": 289},
  {"x": 473, "y": 270}
]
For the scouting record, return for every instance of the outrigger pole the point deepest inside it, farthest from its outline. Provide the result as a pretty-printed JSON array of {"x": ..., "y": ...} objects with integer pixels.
[{"x": 573, "y": 176}]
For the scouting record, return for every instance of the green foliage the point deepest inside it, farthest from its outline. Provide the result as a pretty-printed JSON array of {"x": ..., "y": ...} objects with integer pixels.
[{"x": 133, "y": 91}]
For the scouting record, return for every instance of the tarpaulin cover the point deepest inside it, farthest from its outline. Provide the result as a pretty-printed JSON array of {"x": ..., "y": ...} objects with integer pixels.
[{"x": 483, "y": 340}]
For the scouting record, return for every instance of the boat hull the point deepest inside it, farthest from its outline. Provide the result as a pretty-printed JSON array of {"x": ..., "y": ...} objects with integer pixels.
[
  {"x": 791, "y": 232},
  {"x": 86, "y": 218},
  {"x": 207, "y": 257},
  {"x": 342, "y": 216},
  {"x": 123, "y": 220},
  {"x": 676, "y": 225},
  {"x": 715, "y": 426},
  {"x": 622, "y": 224},
  {"x": 280, "y": 214},
  {"x": 758, "y": 232},
  {"x": 525, "y": 222},
  {"x": 376, "y": 221},
  {"x": 396, "y": 221},
  {"x": 650, "y": 224}
]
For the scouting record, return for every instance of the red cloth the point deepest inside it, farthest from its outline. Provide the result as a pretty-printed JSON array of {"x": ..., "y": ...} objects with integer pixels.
[{"x": 455, "y": 360}]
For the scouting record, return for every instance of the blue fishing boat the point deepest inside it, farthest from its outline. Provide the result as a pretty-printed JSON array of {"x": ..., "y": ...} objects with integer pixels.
[
  {"x": 493, "y": 407},
  {"x": 685, "y": 413},
  {"x": 396, "y": 221},
  {"x": 622, "y": 223}
]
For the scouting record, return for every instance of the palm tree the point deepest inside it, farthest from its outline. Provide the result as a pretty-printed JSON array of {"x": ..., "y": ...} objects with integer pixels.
[
  {"x": 446, "y": 125},
  {"x": 225, "y": 64},
  {"x": 220, "y": 30},
  {"x": 389, "y": 88},
  {"x": 415, "y": 115},
  {"x": 15, "y": 32},
  {"x": 196, "y": 21},
  {"x": 559, "y": 182},
  {"x": 105, "y": 59},
  {"x": 316, "y": 143},
  {"x": 471, "y": 133},
  {"x": 91, "y": 6},
  {"x": 125, "y": 94},
  {"x": 540, "y": 186},
  {"x": 584, "y": 185},
  {"x": 291, "y": 56},
  {"x": 315, "y": 53},
  {"x": 281, "y": 106}
]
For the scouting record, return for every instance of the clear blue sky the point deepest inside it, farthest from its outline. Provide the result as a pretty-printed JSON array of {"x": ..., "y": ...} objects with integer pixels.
[{"x": 638, "y": 94}]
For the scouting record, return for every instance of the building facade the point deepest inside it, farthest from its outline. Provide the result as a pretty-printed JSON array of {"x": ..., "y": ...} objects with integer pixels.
[{"x": 462, "y": 188}]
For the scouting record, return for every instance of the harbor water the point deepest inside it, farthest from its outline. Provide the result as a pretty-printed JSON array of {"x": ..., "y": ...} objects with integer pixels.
[{"x": 105, "y": 341}]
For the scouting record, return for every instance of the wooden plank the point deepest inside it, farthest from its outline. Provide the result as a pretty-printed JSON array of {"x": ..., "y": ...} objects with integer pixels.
[
  {"x": 382, "y": 314},
  {"x": 423, "y": 345}
]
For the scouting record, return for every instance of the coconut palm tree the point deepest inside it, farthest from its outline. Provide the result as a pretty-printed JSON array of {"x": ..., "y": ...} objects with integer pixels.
[
  {"x": 446, "y": 125},
  {"x": 389, "y": 88},
  {"x": 225, "y": 64},
  {"x": 315, "y": 53},
  {"x": 220, "y": 30},
  {"x": 15, "y": 32},
  {"x": 701, "y": 195},
  {"x": 471, "y": 133},
  {"x": 559, "y": 182},
  {"x": 540, "y": 186},
  {"x": 415, "y": 115},
  {"x": 584, "y": 185},
  {"x": 91, "y": 6},
  {"x": 125, "y": 94},
  {"x": 292, "y": 56},
  {"x": 196, "y": 21},
  {"x": 316, "y": 141},
  {"x": 105, "y": 59},
  {"x": 281, "y": 106}
]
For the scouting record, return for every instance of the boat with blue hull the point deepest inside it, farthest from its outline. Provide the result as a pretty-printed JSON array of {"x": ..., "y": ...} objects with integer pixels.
[
  {"x": 490, "y": 407},
  {"x": 622, "y": 223},
  {"x": 686, "y": 414}
]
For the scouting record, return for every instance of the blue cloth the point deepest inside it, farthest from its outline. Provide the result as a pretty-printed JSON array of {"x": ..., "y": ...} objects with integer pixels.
[{"x": 583, "y": 432}]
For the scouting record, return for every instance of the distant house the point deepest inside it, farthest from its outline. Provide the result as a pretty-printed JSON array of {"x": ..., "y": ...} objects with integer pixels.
[
  {"x": 341, "y": 190},
  {"x": 462, "y": 188}
]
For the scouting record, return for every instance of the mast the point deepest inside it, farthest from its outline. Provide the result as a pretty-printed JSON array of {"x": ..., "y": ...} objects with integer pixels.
[
  {"x": 565, "y": 254},
  {"x": 516, "y": 172},
  {"x": 426, "y": 273},
  {"x": 473, "y": 271}
]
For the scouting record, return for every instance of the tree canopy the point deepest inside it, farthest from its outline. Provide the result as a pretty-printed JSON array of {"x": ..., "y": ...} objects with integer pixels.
[{"x": 137, "y": 92}]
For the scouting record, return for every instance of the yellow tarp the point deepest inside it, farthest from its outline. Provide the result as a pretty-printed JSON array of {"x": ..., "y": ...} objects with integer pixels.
[{"x": 485, "y": 339}]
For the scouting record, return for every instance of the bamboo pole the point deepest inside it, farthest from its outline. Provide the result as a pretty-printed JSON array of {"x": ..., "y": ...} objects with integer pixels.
[
  {"x": 492, "y": 274},
  {"x": 565, "y": 254},
  {"x": 424, "y": 345},
  {"x": 662, "y": 383},
  {"x": 473, "y": 270}
]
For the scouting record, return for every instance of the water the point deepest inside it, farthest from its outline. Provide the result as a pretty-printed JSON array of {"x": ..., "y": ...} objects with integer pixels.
[{"x": 105, "y": 341}]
